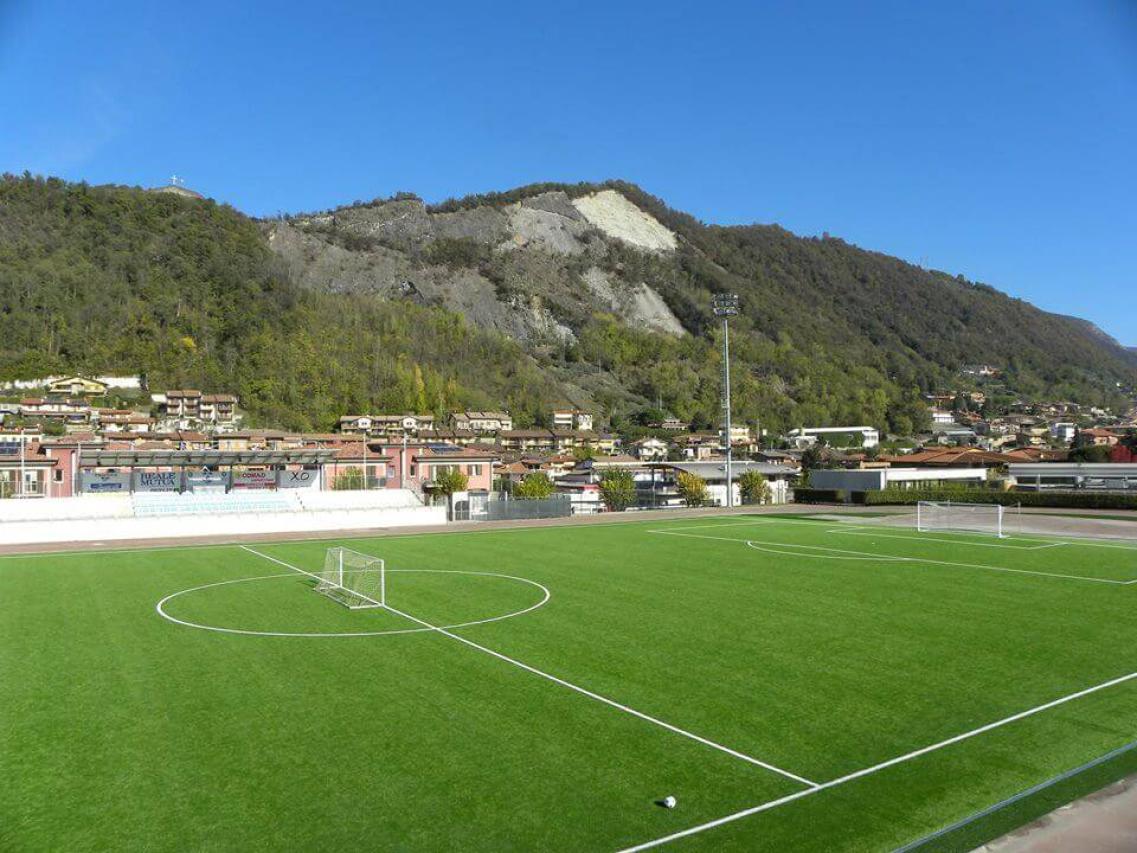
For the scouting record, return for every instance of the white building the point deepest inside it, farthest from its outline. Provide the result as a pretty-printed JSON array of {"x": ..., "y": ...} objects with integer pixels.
[
  {"x": 876, "y": 479},
  {"x": 571, "y": 419},
  {"x": 778, "y": 478},
  {"x": 1063, "y": 432},
  {"x": 804, "y": 437},
  {"x": 650, "y": 449}
]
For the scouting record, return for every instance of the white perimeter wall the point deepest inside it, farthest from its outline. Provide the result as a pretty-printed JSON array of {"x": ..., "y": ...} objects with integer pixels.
[{"x": 100, "y": 519}]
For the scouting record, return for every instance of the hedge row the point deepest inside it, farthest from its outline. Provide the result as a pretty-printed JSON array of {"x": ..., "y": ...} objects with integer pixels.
[
  {"x": 905, "y": 497},
  {"x": 1069, "y": 500}
]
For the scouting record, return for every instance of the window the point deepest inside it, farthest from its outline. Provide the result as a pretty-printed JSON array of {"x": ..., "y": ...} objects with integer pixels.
[
  {"x": 57, "y": 475},
  {"x": 475, "y": 470}
]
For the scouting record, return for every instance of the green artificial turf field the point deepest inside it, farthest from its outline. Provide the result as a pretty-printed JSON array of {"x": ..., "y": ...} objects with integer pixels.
[{"x": 796, "y": 684}]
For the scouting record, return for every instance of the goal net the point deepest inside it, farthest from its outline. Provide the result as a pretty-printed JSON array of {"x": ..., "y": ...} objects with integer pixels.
[
  {"x": 352, "y": 579},
  {"x": 960, "y": 518}
]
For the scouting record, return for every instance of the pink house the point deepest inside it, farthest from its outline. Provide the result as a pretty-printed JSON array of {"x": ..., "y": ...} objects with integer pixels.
[{"x": 410, "y": 466}]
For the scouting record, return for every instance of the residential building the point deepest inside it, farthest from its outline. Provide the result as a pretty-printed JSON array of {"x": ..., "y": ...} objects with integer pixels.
[
  {"x": 537, "y": 440},
  {"x": 66, "y": 410},
  {"x": 571, "y": 419},
  {"x": 123, "y": 420},
  {"x": 1063, "y": 432},
  {"x": 184, "y": 404},
  {"x": 483, "y": 422},
  {"x": 1098, "y": 437},
  {"x": 650, "y": 449},
  {"x": 76, "y": 386},
  {"x": 218, "y": 408},
  {"x": 387, "y": 425}
]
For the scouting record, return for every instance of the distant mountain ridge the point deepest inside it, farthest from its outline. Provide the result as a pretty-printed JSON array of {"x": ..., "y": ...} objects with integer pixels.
[{"x": 596, "y": 295}]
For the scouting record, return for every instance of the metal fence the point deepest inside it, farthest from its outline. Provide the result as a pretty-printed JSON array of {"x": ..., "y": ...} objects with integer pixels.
[{"x": 508, "y": 510}]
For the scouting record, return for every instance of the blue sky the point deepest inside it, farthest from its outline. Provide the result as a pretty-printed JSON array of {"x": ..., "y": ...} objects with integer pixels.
[{"x": 995, "y": 139}]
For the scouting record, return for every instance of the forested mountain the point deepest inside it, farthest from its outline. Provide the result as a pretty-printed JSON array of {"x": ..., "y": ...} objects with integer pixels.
[{"x": 596, "y": 295}]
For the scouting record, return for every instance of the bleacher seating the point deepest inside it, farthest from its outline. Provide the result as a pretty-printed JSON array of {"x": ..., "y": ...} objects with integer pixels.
[{"x": 168, "y": 515}]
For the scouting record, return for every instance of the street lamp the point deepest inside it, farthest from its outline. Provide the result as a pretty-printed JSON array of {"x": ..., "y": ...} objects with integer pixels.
[{"x": 725, "y": 305}]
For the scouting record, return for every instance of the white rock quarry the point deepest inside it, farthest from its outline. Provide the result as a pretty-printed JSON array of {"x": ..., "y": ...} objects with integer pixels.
[
  {"x": 639, "y": 306},
  {"x": 617, "y": 217}
]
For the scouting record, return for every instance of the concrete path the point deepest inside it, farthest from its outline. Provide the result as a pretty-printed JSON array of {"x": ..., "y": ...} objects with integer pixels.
[{"x": 1103, "y": 822}]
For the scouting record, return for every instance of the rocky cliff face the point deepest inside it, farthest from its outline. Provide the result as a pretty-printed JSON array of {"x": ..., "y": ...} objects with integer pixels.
[{"x": 532, "y": 269}]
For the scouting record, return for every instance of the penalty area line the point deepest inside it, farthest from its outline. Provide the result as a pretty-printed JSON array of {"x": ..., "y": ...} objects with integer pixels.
[
  {"x": 891, "y": 558},
  {"x": 876, "y": 768},
  {"x": 581, "y": 690}
]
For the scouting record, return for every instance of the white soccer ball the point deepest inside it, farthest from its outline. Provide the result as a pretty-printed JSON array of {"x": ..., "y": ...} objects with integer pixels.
[{"x": 669, "y": 802}]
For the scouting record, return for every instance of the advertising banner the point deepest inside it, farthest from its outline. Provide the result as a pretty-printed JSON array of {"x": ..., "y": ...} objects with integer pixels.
[
  {"x": 104, "y": 481},
  {"x": 254, "y": 480},
  {"x": 303, "y": 478},
  {"x": 206, "y": 482},
  {"x": 157, "y": 481}
]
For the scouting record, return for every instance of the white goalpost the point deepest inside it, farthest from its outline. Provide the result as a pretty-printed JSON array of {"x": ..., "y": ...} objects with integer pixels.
[
  {"x": 960, "y": 518},
  {"x": 352, "y": 579}
]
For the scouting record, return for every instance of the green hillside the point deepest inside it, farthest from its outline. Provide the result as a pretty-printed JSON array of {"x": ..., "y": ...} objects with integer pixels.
[{"x": 192, "y": 293}]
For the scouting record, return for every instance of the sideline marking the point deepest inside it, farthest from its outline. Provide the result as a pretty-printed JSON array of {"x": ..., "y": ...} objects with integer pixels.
[
  {"x": 869, "y": 531},
  {"x": 1122, "y": 543},
  {"x": 582, "y": 690},
  {"x": 315, "y": 635},
  {"x": 891, "y": 558},
  {"x": 788, "y": 553},
  {"x": 876, "y": 768}
]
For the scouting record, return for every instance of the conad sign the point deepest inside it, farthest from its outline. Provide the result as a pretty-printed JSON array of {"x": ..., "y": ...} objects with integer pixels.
[{"x": 254, "y": 480}]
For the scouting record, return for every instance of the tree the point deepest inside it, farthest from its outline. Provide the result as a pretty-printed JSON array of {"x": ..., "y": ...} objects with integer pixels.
[
  {"x": 754, "y": 488},
  {"x": 1090, "y": 453},
  {"x": 580, "y": 454},
  {"x": 348, "y": 480},
  {"x": 450, "y": 480},
  {"x": 618, "y": 489},
  {"x": 535, "y": 486},
  {"x": 812, "y": 457},
  {"x": 692, "y": 488}
]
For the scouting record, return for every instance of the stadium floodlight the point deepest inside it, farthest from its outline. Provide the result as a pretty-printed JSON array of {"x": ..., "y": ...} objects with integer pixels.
[
  {"x": 960, "y": 518},
  {"x": 725, "y": 305},
  {"x": 355, "y": 580}
]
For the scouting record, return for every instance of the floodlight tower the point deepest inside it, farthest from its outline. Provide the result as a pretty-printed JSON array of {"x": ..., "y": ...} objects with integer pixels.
[{"x": 725, "y": 305}]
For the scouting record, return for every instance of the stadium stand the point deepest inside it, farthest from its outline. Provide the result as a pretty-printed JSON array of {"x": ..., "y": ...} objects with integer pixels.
[{"x": 162, "y": 515}]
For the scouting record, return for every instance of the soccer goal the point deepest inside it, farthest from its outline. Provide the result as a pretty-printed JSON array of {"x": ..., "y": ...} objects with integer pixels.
[
  {"x": 352, "y": 579},
  {"x": 960, "y": 518}
]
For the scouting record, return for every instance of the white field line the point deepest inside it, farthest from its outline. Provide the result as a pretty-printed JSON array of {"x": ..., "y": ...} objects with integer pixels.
[
  {"x": 1055, "y": 539},
  {"x": 160, "y": 607},
  {"x": 770, "y": 549},
  {"x": 876, "y": 768},
  {"x": 582, "y": 690},
  {"x": 874, "y": 532},
  {"x": 896, "y": 558}
]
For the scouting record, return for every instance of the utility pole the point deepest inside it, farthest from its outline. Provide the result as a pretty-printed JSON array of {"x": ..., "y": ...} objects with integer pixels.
[{"x": 725, "y": 305}]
